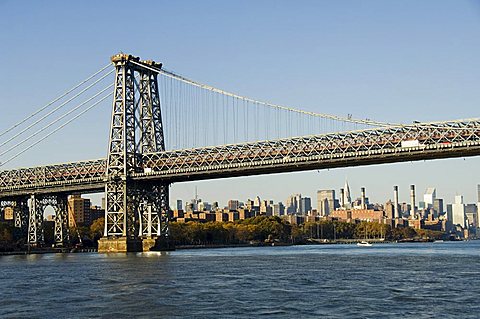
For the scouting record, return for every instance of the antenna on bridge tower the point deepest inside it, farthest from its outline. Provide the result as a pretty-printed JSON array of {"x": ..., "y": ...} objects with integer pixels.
[{"x": 136, "y": 214}]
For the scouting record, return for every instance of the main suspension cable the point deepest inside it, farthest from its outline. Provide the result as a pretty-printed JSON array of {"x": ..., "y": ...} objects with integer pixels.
[{"x": 276, "y": 106}]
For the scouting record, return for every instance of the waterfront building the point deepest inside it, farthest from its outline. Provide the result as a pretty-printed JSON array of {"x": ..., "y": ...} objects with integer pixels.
[
  {"x": 8, "y": 214},
  {"x": 358, "y": 214},
  {"x": 78, "y": 211},
  {"x": 244, "y": 213},
  {"x": 326, "y": 201},
  {"x": 221, "y": 216}
]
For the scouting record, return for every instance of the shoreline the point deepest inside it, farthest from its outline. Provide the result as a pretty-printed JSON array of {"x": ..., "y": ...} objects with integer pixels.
[{"x": 216, "y": 246}]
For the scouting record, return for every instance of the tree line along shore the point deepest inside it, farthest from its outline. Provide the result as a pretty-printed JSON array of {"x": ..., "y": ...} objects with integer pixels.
[{"x": 258, "y": 230}]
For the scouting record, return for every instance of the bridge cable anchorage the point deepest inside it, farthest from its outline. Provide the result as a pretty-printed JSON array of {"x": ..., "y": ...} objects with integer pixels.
[
  {"x": 56, "y": 130},
  {"x": 56, "y": 109},
  {"x": 276, "y": 106},
  {"x": 55, "y": 100},
  {"x": 54, "y": 121}
]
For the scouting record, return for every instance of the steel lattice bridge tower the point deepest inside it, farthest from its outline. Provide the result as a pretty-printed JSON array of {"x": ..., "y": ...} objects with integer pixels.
[
  {"x": 138, "y": 170},
  {"x": 134, "y": 209}
]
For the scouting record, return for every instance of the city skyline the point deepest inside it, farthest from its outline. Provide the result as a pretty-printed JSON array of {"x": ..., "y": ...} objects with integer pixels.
[{"x": 405, "y": 199}]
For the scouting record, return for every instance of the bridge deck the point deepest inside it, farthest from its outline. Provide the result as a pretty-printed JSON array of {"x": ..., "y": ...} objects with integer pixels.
[{"x": 375, "y": 146}]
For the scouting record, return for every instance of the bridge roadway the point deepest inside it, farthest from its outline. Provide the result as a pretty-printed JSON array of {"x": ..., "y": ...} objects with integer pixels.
[{"x": 421, "y": 141}]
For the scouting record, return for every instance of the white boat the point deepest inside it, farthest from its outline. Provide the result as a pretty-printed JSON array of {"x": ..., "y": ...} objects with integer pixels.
[{"x": 364, "y": 244}]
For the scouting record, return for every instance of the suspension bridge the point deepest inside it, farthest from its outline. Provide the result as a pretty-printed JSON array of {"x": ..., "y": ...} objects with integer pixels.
[{"x": 166, "y": 128}]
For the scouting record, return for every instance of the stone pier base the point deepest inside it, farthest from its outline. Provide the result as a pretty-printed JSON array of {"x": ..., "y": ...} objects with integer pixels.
[
  {"x": 119, "y": 245},
  {"x": 123, "y": 245}
]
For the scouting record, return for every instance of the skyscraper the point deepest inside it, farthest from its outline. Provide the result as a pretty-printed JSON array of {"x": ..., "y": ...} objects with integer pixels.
[
  {"x": 233, "y": 204},
  {"x": 438, "y": 206},
  {"x": 346, "y": 195},
  {"x": 326, "y": 201},
  {"x": 429, "y": 197},
  {"x": 294, "y": 204},
  {"x": 458, "y": 211},
  {"x": 305, "y": 205},
  {"x": 278, "y": 209}
]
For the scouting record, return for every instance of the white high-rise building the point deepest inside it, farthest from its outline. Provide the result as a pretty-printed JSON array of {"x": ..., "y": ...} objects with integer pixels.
[
  {"x": 429, "y": 197},
  {"x": 325, "y": 201},
  {"x": 458, "y": 212},
  {"x": 257, "y": 202}
]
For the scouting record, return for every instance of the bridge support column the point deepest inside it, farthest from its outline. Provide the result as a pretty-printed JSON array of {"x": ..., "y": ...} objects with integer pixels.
[
  {"x": 136, "y": 214},
  {"x": 38, "y": 203},
  {"x": 35, "y": 222},
  {"x": 21, "y": 216},
  {"x": 61, "y": 234},
  {"x": 154, "y": 215},
  {"x": 147, "y": 216}
]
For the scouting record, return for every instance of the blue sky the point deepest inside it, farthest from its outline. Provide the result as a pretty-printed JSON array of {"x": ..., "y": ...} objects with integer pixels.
[{"x": 394, "y": 61}]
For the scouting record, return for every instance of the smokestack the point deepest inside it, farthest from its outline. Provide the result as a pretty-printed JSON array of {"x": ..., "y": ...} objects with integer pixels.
[
  {"x": 412, "y": 201},
  {"x": 395, "y": 202},
  {"x": 363, "y": 198},
  {"x": 342, "y": 198}
]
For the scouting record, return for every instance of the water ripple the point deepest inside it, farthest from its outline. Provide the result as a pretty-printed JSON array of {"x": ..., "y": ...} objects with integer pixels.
[{"x": 337, "y": 281}]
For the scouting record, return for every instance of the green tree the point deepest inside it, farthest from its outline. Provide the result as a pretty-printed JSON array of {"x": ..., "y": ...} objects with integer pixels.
[{"x": 97, "y": 228}]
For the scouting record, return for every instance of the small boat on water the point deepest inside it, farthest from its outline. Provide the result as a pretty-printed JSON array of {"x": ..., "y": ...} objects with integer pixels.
[{"x": 364, "y": 244}]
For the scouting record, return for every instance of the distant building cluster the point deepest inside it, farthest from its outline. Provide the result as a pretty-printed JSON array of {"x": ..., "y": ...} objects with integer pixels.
[
  {"x": 459, "y": 219},
  {"x": 80, "y": 212}
]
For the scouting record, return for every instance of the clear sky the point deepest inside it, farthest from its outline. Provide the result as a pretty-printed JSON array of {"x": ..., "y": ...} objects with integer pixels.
[{"x": 394, "y": 61}]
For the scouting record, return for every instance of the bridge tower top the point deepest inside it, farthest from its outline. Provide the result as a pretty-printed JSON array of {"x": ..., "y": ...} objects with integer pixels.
[{"x": 123, "y": 58}]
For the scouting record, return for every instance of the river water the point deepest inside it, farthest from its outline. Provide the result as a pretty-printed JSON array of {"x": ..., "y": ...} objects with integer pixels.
[{"x": 429, "y": 280}]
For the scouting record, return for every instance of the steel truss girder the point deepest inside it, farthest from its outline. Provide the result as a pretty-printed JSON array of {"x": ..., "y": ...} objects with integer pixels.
[
  {"x": 444, "y": 139},
  {"x": 340, "y": 149},
  {"x": 38, "y": 204}
]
